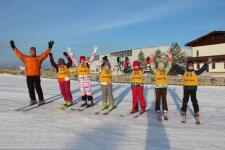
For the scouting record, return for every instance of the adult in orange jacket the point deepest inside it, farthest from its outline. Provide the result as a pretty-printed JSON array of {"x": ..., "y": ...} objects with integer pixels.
[{"x": 33, "y": 67}]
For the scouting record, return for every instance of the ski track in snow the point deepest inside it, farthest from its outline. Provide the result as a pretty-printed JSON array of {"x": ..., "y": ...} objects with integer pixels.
[{"x": 47, "y": 128}]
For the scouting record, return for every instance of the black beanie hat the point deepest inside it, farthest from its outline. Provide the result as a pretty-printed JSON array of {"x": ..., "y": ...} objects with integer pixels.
[
  {"x": 105, "y": 58},
  {"x": 189, "y": 63},
  {"x": 33, "y": 48},
  {"x": 61, "y": 61}
]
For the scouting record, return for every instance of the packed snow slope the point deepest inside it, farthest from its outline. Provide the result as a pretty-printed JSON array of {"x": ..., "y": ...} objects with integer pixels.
[{"x": 47, "y": 128}]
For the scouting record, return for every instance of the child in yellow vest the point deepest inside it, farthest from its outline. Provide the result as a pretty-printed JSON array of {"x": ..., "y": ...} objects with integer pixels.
[
  {"x": 161, "y": 81},
  {"x": 137, "y": 85},
  {"x": 63, "y": 77},
  {"x": 190, "y": 83},
  {"x": 84, "y": 76},
  {"x": 105, "y": 79}
]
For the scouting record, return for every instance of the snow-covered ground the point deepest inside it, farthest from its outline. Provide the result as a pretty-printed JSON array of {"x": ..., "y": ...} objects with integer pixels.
[{"x": 47, "y": 128}]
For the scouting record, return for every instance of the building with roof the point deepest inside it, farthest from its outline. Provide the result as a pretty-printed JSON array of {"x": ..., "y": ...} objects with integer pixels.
[{"x": 211, "y": 44}]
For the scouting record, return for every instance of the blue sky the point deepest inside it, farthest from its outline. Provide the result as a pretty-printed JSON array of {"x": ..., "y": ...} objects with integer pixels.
[{"x": 111, "y": 24}]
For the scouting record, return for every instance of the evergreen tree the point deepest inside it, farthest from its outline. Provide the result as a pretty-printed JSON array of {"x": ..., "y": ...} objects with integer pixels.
[
  {"x": 158, "y": 55},
  {"x": 179, "y": 57},
  {"x": 141, "y": 58}
]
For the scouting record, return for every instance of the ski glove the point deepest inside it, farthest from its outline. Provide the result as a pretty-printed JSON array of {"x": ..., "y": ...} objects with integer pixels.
[
  {"x": 69, "y": 50},
  {"x": 50, "y": 44},
  {"x": 210, "y": 60},
  {"x": 12, "y": 44},
  {"x": 95, "y": 49},
  {"x": 65, "y": 54},
  {"x": 151, "y": 58}
]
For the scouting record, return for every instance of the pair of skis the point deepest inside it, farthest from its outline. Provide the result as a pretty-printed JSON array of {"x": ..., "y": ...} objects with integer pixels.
[
  {"x": 65, "y": 107},
  {"x": 33, "y": 106},
  {"x": 136, "y": 114},
  {"x": 81, "y": 108},
  {"x": 159, "y": 116},
  {"x": 184, "y": 119},
  {"x": 105, "y": 111}
]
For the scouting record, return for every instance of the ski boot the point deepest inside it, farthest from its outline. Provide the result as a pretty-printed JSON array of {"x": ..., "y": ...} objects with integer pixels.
[
  {"x": 197, "y": 120},
  {"x": 111, "y": 107},
  {"x": 104, "y": 106},
  {"x": 83, "y": 103},
  {"x": 69, "y": 103},
  {"x": 165, "y": 114},
  {"x": 134, "y": 110},
  {"x": 65, "y": 103},
  {"x": 183, "y": 115},
  {"x": 41, "y": 102},
  {"x": 142, "y": 110},
  {"x": 158, "y": 115},
  {"x": 90, "y": 103},
  {"x": 32, "y": 102}
]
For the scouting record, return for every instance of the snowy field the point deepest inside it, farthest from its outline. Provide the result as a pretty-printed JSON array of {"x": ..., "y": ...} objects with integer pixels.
[{"x": 47, "y": 128}]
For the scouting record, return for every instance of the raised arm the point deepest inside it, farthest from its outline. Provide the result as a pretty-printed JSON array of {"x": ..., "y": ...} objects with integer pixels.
[
  {"x": 168, "y": 67},
  {"x": 91, "y": 60},
  {"x": 74, "y": 59},
  {"x": 152, "y": 67},
  {"x": 45, "y": 54},
  {"x": 19, "y": 54},
  {"x": 151, "y": 64},
  {"x": 169, "y": 64},
  {"x": 52, "y": 61},
  {"x": 69, "y": 63},
  {"x": 203, "y": 69},
  {"x": 178, "y": 69}
]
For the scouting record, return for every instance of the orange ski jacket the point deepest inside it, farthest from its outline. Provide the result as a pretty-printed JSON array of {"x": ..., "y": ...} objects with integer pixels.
[{"x": 32, "y": 64}]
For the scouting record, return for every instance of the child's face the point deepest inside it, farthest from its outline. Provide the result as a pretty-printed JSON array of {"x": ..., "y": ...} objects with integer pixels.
[
  {"x": 136, "y": 67},
  {"x": 161, "y": 66},
  {"x": 107, "y": 67},
  {"x": 190, "y": 67},
  {"x": 61, "y": 62},
  {"x": 82, "y": 61}
]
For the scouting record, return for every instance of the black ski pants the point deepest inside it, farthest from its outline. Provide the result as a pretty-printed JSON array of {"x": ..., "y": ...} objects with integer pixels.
[
  {"x": 34, "y": 82},
  {"x": 192, "y": 94}
]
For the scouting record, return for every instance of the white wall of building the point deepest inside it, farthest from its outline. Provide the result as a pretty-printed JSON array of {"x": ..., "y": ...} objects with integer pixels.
[
  {"x": 147, "y": 52},
  {"x": 209, "y": 50},
  {"x": 217, "y": 49}
]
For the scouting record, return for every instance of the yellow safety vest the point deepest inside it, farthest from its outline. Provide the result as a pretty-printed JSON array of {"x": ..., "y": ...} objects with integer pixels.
[
  {"x": 105, "y": 76},
  {"x": 190, "y": 79},
  {"x": 63, "y": 73},
  {"x": 83, "y": 70},
  {"x": 161, "y": 77},
  {"x": 137, "y": 76}
]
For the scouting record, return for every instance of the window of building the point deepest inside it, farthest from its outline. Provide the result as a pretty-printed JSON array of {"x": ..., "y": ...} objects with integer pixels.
[
  {"x": 213, "y": 65},
  {"x": 197, "y": 53},
  {"x": 123, "y": 53}
]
